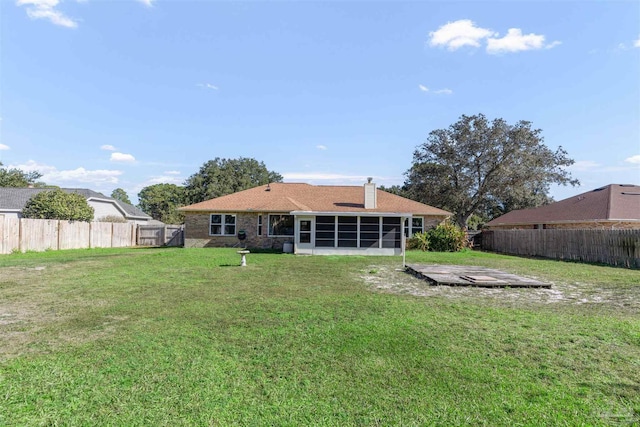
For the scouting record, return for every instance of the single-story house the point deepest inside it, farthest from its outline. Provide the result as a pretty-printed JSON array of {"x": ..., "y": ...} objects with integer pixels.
[
  {"x": 13, "y": 200},
  {"x": 310, "y": 219},
  {"x": 612, "y": 207}
]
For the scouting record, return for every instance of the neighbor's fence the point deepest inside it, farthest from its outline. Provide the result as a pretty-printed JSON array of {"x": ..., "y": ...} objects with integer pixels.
[
  {"x": 160, "y": 235},
  {"x": 21, "y": 234},
  {"x": 613, "y": 247}
]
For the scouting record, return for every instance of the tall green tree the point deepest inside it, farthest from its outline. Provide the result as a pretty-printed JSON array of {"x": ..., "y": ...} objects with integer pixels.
[
  {"x": 120, "y": 194},
  {"x": 394, "y": 189},
  {"x": 161, "y": 201},
  {"x": 483, "y": 167},
  {"x": 12, "y": 177},
  {"x": 57, "y": 204},
  {"x": 219, "y": 177}
]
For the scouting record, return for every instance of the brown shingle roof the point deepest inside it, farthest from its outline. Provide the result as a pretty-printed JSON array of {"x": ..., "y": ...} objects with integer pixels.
[
  {"x": 288, "y": 197},
  {"x": 612, "y": 202}
]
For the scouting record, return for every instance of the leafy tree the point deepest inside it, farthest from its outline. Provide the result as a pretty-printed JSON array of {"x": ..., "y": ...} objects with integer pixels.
[
  {"x": 486, "y": 168},
  {"x": 219, "y": 177},
  {"x": 57, "y": 204},
  {"x": 17, "y": 178},
  {"x": 121, "y": 195},
  {"x": 394, "y": 189},
  {"x": 161, "y": 201}
]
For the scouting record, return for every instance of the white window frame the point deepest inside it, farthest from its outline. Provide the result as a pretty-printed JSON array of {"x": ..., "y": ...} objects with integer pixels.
[
  {"x": 409, "y": 228},
  {"x": 259, "y": 225},
  {"x": 223, "y": 224},
  {"x": 280, "y": 235}
]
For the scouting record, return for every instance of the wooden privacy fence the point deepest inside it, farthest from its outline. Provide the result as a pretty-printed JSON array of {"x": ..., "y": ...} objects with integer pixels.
[
  {"x": 160, "y": 235},
  {"x": 613, "y": 247},
  {"x": 21, "y": 234}
]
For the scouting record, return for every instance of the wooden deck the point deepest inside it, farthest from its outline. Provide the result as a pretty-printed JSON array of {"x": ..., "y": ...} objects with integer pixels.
[{"x": 460, "y": 275}]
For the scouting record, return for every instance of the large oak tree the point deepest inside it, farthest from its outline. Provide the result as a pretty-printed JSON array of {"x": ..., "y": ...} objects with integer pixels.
[
  {"x": 483, "y": 167},
  {"x": 161, "y": 201},
  {"x": 220, "y": 177}
]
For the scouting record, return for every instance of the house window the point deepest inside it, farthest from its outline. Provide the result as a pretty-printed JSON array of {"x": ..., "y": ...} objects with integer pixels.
[
  {"x": 259, "y": 225},
  {"x": 280, "y": 225},
  {"x": 325, "y": 231},
  {"x": 222, "y": 225},
  {"x": 417, "y": 226}
]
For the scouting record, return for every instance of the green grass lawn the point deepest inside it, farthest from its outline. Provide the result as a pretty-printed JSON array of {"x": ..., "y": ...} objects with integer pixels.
[{"x": 186, "y": 337}]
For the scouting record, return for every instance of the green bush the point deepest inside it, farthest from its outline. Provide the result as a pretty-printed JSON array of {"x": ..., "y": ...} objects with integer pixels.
[
  {"x": 446, "y": 237},
  {"x": 57, "y": 204},
  {"x": 419, "y": 241}
]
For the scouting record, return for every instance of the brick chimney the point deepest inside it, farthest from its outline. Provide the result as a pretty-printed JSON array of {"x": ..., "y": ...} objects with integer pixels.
[{"x": 370, "y": 193}]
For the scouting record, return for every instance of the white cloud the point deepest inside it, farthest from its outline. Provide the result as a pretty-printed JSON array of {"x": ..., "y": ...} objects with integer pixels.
[
  {"x": 553, "y": 44},
  {"x": 314, "y": 176},
  {"x": 584, "y": 165},
  {"x": 208, "y": 86},
  {"x": 122, "y": 157},
  {"x": 464, "y": 32},
  {"x": 172, "y": 172},
  {"x": 321, "y": 147},
  {"x": 636, "y": 43},
  {"x": 4, "y": 147},
  {"x": 147, "y": 3},
  {"x": 515, "y": 41},
  {"x": 320, "y": 178},
  {"x": 443, "y": 91},
  {"x": 158, "y": 179},
  {"x": 46, "y": 9},
  {"x": 78, "y": 176},
  {"x": 633, "y": 159},
  {"x": 108, "y": 147},
  {"x": 454, "y": 35}
]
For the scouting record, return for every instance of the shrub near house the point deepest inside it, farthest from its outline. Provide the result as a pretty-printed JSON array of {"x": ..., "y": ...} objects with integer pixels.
[{"x": 57, "y": 204}]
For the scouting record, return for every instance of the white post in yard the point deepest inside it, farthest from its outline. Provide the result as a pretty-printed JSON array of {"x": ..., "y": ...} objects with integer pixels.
[{"x": 404, "y": 243}]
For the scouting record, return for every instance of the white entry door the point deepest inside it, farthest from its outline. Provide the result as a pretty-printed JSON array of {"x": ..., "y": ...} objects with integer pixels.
[{"x": 304, "y": 234}]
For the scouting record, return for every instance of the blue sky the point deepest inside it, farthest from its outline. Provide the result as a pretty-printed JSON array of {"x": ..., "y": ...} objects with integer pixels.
[{"x": 129, "y": 93}]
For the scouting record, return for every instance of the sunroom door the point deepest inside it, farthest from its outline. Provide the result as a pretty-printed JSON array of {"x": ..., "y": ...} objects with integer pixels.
[{"x": 304, "y": 235}]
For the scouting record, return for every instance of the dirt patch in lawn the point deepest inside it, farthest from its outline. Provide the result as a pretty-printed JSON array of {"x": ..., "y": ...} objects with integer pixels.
[
  {"x": 31, "y": 307},
  {"x": 387, "y": 279}
]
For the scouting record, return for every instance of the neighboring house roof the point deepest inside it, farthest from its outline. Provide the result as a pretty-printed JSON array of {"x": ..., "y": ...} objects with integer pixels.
[
  {"x": 14, "y": 199},
  {"x": 614, "y": 202},
  {"x": 288, "y": 197}
]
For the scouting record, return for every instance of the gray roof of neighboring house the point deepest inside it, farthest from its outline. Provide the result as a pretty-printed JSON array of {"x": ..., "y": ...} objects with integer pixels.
[
  {"x": 613, "y": 202},
  {"x": 17, "y": 198}
]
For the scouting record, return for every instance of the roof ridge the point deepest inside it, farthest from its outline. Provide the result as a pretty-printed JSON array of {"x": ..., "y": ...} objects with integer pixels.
[{"x": 609, "y": 200}]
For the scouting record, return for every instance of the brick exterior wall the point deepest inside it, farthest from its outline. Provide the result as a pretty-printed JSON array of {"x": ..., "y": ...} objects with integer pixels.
[
  {"x": 596, "y": 225},
  {"x": 196, "y": 233},
  {"x": 433, "y": 221}
]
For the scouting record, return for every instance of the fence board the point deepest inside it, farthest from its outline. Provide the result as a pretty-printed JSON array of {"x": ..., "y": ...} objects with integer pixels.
[
  {"x": 73, "y": 234},
  {"x": 122, "y": 235},
  {"x": 38, "y": 234},
  {"x": 613, "y": 247},
  {"x": 10, "y": 235},
  {"x": 101, "y": 235}
]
